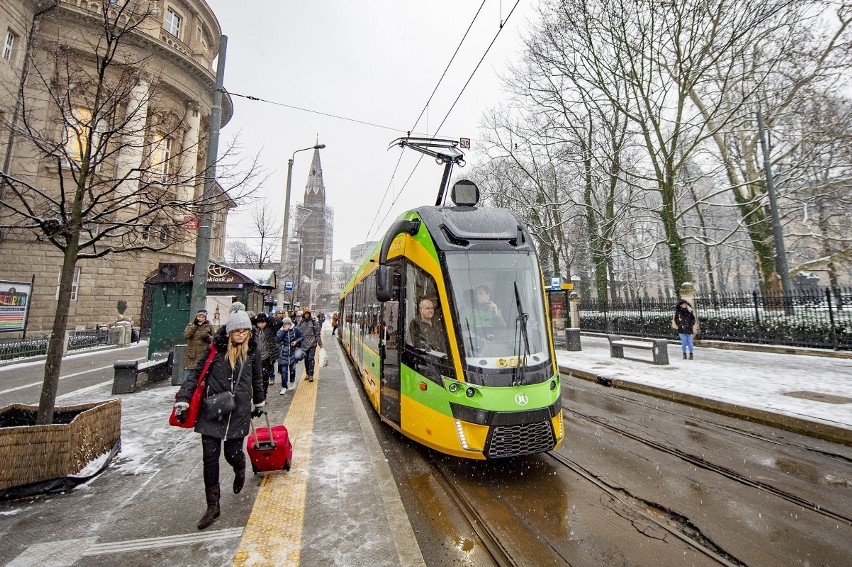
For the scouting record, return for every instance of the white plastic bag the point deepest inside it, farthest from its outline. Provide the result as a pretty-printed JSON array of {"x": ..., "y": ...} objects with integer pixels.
[{"x": 323, "y": 357}]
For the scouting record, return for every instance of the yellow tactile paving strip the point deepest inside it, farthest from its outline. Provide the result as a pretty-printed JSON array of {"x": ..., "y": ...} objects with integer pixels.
[{"x": 273, "y": 533}]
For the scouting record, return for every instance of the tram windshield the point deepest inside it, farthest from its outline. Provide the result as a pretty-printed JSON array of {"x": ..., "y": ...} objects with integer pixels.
[{"x": 499, "y": 313}]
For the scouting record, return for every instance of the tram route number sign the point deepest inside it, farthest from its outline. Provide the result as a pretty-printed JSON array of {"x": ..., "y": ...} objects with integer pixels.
[
  {"x": 288, "y": 286},
  {"x": 464, "y": 143},
  {"x": 555, "y": 283}
]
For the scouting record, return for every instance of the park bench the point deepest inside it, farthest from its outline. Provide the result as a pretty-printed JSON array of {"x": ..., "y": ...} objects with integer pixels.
[
  {"x": 127, "y": 372},
  {"x": 658, "y": 347}
]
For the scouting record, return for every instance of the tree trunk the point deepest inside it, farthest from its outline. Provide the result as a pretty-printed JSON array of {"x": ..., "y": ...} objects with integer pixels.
[{"x": 55, "y": 346}]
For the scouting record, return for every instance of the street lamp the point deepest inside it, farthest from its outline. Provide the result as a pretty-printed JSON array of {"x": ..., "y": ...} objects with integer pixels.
[{"x": 283, "y": 264}]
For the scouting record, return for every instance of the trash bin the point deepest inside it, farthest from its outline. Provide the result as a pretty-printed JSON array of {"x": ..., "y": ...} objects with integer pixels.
[
  {"x": 572, "y": 338},
  {"x": 124, "y": 380},
  {"x": 178, "y": 361}
]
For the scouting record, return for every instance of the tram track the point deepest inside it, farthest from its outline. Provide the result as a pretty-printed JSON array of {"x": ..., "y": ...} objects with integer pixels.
[
  {"x": 616, "y": 395},
  {"x": 489, "y": 539},
  {"x": 675, "y": 524},
  {"x": 715, "y": 468}
]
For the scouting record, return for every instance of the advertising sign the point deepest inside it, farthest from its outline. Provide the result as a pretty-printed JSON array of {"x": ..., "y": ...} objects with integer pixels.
[{"x": 14, "y": 304}]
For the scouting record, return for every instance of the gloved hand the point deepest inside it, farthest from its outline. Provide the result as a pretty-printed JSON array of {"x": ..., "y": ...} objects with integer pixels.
[
  {"x": 180, "y": 411},
  {"x": 259, "y": 409}
]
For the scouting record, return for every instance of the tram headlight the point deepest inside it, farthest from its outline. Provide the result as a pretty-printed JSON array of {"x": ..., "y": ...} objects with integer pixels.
[
  {"x": 462, "y": 436},
  {"x": 453, "y": 387},
  {"x": 470, "y": 392}
]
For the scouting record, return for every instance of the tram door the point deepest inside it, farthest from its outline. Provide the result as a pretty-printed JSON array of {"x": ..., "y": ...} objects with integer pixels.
[{"x": 390, "y": 338}]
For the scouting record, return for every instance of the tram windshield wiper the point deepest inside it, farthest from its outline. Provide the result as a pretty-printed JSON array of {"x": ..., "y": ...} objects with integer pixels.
[{"x": 523, "y": 348}]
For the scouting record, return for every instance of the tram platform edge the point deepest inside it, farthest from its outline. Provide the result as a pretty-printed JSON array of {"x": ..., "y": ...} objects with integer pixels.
[
  {"x": 808, "y": 395},
  {"x": 338, "y": 505}
]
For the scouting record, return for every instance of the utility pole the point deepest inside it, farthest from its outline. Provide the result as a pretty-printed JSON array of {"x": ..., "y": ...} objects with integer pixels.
[
  {"x": 780, "y": 252},
  {"x": 282, "y": 266},
  {"x": 202, "y": 243}
]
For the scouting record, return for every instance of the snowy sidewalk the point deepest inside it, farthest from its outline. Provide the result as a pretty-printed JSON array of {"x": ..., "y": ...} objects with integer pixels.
[{"x": 808, "y": 394}]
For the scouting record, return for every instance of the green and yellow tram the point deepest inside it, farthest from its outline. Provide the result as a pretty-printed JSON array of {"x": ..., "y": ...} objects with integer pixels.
[{"x": 445, "y": 322}]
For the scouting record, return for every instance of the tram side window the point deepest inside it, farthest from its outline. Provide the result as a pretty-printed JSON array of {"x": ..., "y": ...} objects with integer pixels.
[
  {"x": 372, "y": 309},
  {"x": 424, "y": 320}
]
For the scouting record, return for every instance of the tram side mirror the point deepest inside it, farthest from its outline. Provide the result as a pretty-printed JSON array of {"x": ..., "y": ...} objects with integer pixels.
[{"x": 384, "y": 285}]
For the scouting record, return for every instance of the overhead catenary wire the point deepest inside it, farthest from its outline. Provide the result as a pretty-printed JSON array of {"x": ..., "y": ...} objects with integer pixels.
[
  {"x": 461, "y": 92},
  {"x": 416, "y": 122},
  {"x": 330, "y": 115},
  {"x": 447, "y": 68}
]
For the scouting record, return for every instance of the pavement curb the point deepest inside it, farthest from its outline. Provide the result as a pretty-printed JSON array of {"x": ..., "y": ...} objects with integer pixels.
[{"x": 792, "y": 424}]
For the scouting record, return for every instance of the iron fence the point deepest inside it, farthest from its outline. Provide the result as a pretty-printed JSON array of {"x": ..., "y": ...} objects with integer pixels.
[
  {"x": 817, "y": 318},
  {"x": 12, "y": 349}
]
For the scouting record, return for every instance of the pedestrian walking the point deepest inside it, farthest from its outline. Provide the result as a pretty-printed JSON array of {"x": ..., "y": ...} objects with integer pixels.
[
  {"x": 267, "y": 351},
  {"x": 290, "y": 339},
  {"x": 312, "y": 337},
  {"x": 197, "y": 335},
  {"x": 264, "y": 327},
  {"x": 335, "y": 322},
  {"x": 277, "y": 317},
  {"x": 235, "y": 381},
  {"x": 686, "y": 323}
]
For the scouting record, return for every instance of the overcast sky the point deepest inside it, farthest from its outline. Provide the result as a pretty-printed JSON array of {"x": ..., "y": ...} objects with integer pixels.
[{"x": 375, "y": 61}]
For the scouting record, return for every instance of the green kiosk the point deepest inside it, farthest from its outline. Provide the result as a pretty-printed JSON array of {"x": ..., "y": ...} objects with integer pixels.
[{"x": 168, "y": 293}]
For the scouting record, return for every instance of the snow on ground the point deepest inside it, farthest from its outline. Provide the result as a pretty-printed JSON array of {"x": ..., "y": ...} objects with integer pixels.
[{"x": 752, "y": 379}]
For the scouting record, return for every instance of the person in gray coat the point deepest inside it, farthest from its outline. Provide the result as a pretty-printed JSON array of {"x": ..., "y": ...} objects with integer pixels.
[
  {"x": 311, "y": 338},
  {"x": 236, "y": 368}
]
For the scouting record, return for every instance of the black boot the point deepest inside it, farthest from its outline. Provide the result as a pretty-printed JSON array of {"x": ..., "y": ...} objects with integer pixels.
[
  {"x": 690, "y": 356},
  {"x": 212, "y": 507},
  {"x": 239, "y": 478},
  {"x": 684, "y": 356}
]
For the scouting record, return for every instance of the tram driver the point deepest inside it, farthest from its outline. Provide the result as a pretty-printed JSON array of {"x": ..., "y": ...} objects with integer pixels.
[
  {"x": 484, "y": 313},
  {"x": 424, "y": 330}
]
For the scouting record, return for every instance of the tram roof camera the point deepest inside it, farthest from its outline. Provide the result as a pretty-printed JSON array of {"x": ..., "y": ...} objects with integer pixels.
[{"x": 465, "y": 193}]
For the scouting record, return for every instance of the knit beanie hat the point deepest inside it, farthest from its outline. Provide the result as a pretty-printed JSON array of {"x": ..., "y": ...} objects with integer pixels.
[
  {"x": 286, "y": 321},
  {"x": 238, "y": 318}
]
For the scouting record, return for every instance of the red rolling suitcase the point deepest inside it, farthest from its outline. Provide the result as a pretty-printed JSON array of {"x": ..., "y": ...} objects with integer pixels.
[{"x": 269, "y": 449}]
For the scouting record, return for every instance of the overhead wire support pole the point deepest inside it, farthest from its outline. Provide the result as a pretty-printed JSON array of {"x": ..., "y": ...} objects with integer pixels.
[
  {"x": 202, "y": 242},
  {"x": 780, "y": 252},
  {"x": 282, "y": 265}
]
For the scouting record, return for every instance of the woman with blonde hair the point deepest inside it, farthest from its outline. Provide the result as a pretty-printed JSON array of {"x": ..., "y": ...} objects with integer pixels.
[{"x": 234, "y": 380}]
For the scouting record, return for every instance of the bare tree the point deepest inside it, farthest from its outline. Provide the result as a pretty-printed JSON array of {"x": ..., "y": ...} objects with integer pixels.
[
  {"x": 795, "y": 49},
  {"x": 267, "y": 238},
  {"x": 122, "y": 181}
]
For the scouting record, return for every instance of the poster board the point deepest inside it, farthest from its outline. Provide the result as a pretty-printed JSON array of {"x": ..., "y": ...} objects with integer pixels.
[{"x": 14, "y": 305}]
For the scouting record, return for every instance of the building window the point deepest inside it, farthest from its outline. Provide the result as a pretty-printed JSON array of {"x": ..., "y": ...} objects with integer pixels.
[
  {"x": 75, "y": 284},
  {"x": 172, "y": 23},
  {"x": 8, "y": 45},
  {"x": 77, "y": 136},
  {"x": 160, "y": 156}
]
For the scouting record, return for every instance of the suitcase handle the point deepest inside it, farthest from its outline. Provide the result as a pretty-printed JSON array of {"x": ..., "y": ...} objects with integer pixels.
[{"x": 268, "y": 426}]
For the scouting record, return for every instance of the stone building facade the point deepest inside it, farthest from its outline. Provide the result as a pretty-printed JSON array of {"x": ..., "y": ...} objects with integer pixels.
[{"x": 178, "y": 41}]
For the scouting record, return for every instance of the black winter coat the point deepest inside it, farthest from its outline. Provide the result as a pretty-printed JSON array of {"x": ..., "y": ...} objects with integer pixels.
[
  {"x": 219, "y": 379},
  {"x": 684, "y": 319}
]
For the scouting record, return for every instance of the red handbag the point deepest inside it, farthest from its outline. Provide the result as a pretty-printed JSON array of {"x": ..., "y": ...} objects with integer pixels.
[{"x": 195, "y": 402}]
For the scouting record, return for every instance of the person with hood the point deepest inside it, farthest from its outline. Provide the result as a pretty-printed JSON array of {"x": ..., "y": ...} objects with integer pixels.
[
  {"x": 685, "y": 322},
  {"x": 235, "y": 369},
  {"x": 335, "y": 322},
  {"x": 290, "y": 339},
  {"x": 264, "y": 329},
  {"x": 312, "y": 337},
  {"x": 197, "y": 335}
]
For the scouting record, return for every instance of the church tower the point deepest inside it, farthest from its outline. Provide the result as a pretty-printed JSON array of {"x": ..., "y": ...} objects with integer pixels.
[{"x": 315, "y": 230}]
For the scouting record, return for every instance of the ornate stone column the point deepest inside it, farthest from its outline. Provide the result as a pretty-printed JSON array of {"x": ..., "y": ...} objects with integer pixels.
[
  {"x": 133, "y": 141},
  {"x": 189, "y": 153}
]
